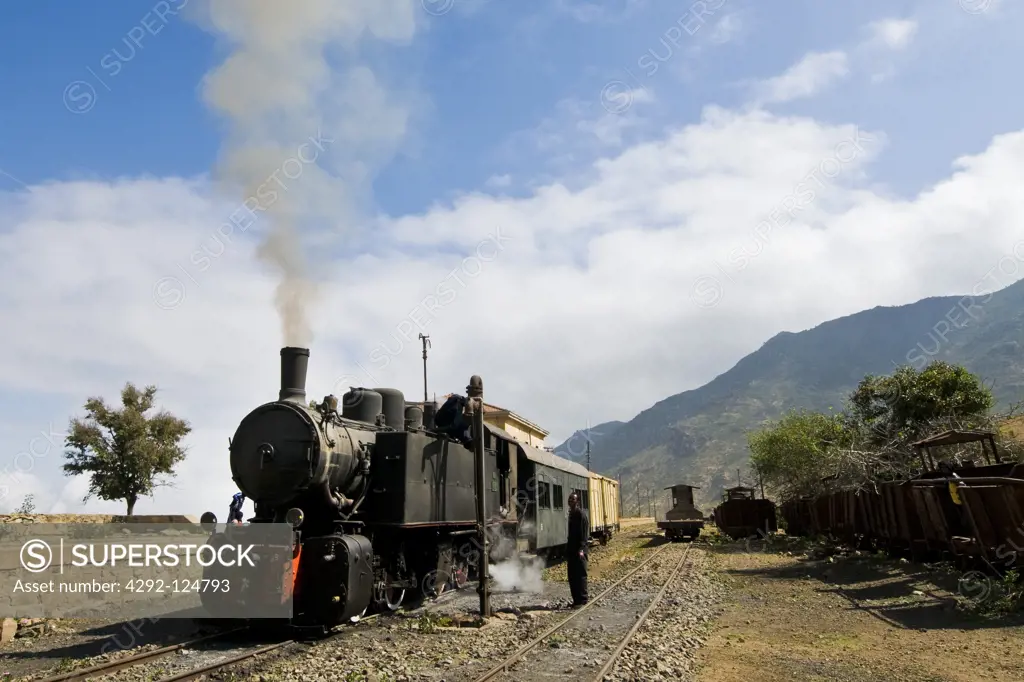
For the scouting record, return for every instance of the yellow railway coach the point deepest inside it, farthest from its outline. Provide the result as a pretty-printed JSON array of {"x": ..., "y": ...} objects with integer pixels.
[{"x": 604, "y": 507}]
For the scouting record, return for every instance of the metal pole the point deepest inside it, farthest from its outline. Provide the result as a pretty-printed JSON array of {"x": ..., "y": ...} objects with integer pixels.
[
  {"x": 475, "y": 391},
  {"x": 639, "y": 507},
  {"x": 588, "y": 455},
  {"x": 425, "y": 338}
]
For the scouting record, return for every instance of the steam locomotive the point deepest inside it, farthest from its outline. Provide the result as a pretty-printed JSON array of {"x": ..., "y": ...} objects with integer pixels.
[{"x": 381, "y": 503}]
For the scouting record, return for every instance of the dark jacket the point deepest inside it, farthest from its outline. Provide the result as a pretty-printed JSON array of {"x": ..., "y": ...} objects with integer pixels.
[
  {"x": 579, "y": 530},
  {"x": 235, "y": 510},
  {"x": 450, "y": 422}
]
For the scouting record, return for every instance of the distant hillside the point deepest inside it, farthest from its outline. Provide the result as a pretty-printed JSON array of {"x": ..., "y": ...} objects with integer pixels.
[
  {"x": 575, "y": 446},
  {"x": 699, "y": 436}
]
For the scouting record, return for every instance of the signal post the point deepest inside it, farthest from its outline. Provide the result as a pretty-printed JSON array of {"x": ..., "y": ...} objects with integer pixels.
[{"x": 475, "y": 410}]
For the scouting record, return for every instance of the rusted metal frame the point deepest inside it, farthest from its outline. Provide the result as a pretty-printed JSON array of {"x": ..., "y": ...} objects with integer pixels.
[{"x": 977, "y": 535}]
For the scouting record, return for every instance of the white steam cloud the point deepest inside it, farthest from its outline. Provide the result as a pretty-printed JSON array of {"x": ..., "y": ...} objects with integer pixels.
[
  {"x": 291, "y": 81},
  {"x": 515, "y": 574},
  {"x": 508, "y": 569}
]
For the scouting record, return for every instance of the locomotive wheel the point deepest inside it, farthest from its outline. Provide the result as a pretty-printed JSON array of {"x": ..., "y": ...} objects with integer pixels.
[
  {"x": 437, "y": 588},
  {"x": 393, "y": 598},
  {"x": 389, "y": 598}
]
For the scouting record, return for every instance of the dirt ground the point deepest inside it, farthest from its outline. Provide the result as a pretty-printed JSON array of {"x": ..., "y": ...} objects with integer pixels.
[{"x": 850, "y": 619}]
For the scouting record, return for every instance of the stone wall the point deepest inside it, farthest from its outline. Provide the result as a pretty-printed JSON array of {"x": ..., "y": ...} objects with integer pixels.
[{"x": 97, "y": 518}]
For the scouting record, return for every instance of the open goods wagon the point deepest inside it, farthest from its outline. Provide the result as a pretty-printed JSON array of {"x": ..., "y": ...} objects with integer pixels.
[
  {"x": 741, "y": 515},
  {"x": 975, "y": 514}
]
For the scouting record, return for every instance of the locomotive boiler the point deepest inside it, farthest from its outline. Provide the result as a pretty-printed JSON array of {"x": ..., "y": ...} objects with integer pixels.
[{"x": 382, "y": 503}]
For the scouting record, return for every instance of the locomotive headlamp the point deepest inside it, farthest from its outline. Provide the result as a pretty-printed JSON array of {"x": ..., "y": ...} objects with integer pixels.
[{"x": 294, "y": 516}]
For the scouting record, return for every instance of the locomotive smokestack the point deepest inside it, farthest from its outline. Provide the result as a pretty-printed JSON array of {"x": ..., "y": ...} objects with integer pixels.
[{"x": 293, "y": 374}]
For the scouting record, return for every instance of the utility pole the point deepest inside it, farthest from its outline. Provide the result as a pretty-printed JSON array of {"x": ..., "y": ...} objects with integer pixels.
[
  {"x": 639, "y": 507},
  {"x": 588, "y": 455},
  {"x": 425, "y": 338},
  {"x": 475, "y": 410}
]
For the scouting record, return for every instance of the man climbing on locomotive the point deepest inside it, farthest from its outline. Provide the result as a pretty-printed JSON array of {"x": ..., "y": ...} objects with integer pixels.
[
  {"x": 235, "y": 510},
  {"x": 576, "y": 559}
]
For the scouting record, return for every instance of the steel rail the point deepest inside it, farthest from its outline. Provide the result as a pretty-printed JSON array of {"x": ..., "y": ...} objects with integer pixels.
[
  {"x": 148, "y": 656},
  {"x": 505, "y": 663},
  {"x": 131, "y": 661},
  {"x": 219, "y": 665},
  {"x": 213, "y": 667},
  {"x": 613, "y": 659},
  {"x": 193, "y": 673}
]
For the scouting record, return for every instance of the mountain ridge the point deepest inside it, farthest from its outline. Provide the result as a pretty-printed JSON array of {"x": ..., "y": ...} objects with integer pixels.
[{"x": 699, "y": 435}]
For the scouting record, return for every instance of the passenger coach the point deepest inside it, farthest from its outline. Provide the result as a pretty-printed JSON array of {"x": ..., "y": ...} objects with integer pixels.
[{"x": 545, "y": 482}]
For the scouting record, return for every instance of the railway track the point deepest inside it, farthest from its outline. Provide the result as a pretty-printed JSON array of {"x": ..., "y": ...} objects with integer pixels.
[
  {"x": 249, "y": 652},
  {"x": 147, "y": 657},
  {"x": 135, "y": 659},
  {"x": 609, "y": 663}
]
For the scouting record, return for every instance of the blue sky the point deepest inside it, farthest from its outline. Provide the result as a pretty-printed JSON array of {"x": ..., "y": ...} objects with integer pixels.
[
  {"x": 489, "y": 69},
  {"x": 630, "y": 239}
]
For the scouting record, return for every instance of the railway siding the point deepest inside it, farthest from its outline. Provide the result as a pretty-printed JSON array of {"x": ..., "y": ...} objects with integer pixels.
[{"x": 666, "y": 645}]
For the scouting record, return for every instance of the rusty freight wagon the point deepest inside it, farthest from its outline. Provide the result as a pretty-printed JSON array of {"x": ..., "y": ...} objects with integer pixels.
[
  {"x": 741, "y": 514},
  {"x": 968, "y": 508},
  {"x": 683, "y": 519}
]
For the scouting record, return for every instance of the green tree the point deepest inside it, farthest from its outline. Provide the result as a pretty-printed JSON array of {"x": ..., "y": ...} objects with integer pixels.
[
  {"x": 806, "y": 453},
  {"x": 794, "y": 454},
  {"x": 895, "y": 410},
  {"x": 126, "y": 453}
]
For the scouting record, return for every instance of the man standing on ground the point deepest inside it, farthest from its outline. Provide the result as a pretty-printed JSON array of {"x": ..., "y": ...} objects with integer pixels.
[{"x": 576, "y": 561}]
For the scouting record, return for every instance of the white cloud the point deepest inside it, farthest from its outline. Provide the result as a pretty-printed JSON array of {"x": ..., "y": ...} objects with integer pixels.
[
  {"x": 893, "y": 33},
  {"x": 499, "y": 181},
  {"x": 813, "y": 73},
  {"x": 728, "y": 28},
  {"x": 585, "y": 312},
  {"x": 580, "y": 129}
]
